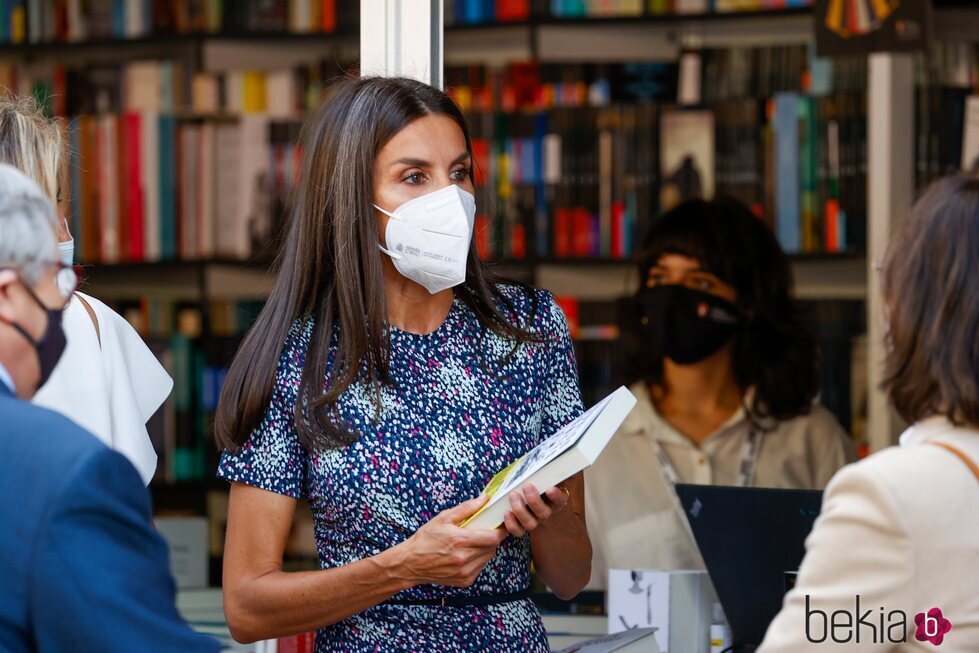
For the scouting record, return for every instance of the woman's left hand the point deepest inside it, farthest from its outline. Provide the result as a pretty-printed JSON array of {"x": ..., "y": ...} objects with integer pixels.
[{"x": 529, "y": 509}]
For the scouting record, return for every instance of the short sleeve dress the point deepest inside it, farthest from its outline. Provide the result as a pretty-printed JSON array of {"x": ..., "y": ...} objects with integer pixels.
[{"x": 457, "y": 410}]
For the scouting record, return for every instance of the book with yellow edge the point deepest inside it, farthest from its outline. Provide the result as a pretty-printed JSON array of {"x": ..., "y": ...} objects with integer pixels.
[{"x": 573, "y": 448}]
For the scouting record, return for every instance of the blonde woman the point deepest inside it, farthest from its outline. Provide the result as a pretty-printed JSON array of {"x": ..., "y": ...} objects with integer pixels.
[{"x": 107, "y": 381}]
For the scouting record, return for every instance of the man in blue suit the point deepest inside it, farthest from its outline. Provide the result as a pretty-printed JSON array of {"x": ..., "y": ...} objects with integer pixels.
[{"x": 82, "y": 568}]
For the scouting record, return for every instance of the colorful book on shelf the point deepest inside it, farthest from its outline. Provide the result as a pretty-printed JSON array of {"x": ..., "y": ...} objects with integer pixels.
[
  {"x": 303, "y": 643},
  {"x": 168, "y": 187},
  {"x": 150, "y": 180},
  {"x": 687, "y": 153},
  {"x": 562, "y": 455},
  {"x": 788, "y": 200},
  {"x": 134, "y": 186}
]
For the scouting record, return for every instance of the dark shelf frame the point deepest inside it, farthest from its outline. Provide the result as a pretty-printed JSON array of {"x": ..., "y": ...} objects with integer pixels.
[
  {"x": 199, "y": 38},
  {"x": 196, "y": 39},
  {"x": 125, "y": 268}
]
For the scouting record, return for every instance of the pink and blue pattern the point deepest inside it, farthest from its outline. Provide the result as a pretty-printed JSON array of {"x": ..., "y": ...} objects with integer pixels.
[{"x": 456, "y": 412}]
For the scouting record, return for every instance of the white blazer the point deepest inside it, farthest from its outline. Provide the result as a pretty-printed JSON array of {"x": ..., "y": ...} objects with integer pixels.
[
  {"x": 108, "y": 382},
  {"x": 901, "y": 530}
]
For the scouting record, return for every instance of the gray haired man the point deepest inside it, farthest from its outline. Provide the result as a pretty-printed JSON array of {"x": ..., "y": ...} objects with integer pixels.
[{"x": 83, "y": 570}]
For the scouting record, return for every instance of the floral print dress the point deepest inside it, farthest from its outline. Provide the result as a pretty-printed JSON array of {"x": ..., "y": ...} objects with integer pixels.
[{"x": 457, "y": 411}]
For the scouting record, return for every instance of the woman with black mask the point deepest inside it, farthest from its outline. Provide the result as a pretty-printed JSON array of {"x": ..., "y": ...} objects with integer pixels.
[{"x": 723, "y": 367}]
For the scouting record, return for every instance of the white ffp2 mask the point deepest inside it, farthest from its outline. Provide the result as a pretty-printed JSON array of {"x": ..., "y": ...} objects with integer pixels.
[
  {"x": 428, "y": 237},
  {"x": 66, "y": 252}
]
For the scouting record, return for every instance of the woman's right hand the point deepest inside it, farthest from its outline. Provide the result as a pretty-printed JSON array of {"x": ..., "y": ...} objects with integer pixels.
[{"x": 442, "y": 553}]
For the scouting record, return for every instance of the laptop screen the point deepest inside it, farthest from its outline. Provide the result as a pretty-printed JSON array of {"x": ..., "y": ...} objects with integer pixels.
[{"x": 752, "y": 541}]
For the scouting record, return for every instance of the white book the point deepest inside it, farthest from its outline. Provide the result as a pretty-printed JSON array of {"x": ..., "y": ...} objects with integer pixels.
[
  {"x": 134, "y": 26},
  {"x": 253, "y": 218},
  {"x": 186, "y": 538},
  {"x": 640, "y": 640},
  {"x": 564, "y": 454},
  {"x": 300, "y": 16},
  {"x": 143, "y": 86},
  {"x": 280, "y": 89},
  {"x": 76, "y": 22},
  {"x": 970, "y": 137},
  {"x": 234, "y": 92},
  {"x": 242, "y": 161},
  {"x": 205, "y": 94}
]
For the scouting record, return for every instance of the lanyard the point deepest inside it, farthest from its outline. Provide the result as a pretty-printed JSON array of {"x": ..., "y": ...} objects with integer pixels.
[{"x": 746, "y": 470}]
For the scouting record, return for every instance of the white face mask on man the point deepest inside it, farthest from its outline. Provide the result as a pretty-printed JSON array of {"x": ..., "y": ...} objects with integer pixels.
[{"x": 428, "y": 237}]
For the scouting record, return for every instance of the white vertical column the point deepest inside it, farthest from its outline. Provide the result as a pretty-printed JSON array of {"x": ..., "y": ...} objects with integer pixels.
[
  {"x": 890, "y": 118},
  {"x": 402, "y": 38}
]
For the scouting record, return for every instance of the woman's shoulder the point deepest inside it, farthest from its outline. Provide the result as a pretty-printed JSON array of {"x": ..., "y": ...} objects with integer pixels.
[
  {"x": 918, "y": 478},
  {"x": 126, "y": 353},
  {"x": 294, "y": 348},
  {"x": 533, "y": 307},
  {"x": 918, "y": 466}
]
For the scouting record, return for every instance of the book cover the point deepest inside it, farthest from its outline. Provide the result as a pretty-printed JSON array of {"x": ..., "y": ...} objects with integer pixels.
[
  {"x": 88, "y": 188},
  {"x": 168, "y": 187},
  {"x": 18, "y": 23},
  {"x": 686, "y": 156},
  {"x": 329, "y": 16},
  {"x": 143, "y": 86},
  {"x": 788, "y": 200},
  {"x": 108, "y": 189},
  {"x": 573, "y": 448},
  {"x": 970, "y": 134},
  {"x": 76, "y": 199},
  {"x": 303, "y": 643},
  {"x": 133, "y": 196}
]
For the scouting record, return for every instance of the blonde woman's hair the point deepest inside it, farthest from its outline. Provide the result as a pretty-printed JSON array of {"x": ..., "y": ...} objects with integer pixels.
[{"x": 34, "y": 144}]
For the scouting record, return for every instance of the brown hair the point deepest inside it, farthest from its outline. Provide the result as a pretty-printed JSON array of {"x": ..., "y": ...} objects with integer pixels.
[
  {"x": 932, "y": 299},
  {"x": 329, "y": 268}
]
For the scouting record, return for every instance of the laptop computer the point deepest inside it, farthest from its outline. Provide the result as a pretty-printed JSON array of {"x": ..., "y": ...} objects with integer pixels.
[{"x": 752, "y": 541}]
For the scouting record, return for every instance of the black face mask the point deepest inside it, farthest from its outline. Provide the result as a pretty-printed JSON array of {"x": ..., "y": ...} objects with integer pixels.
[
  {"x": 51, "y": 345},
  {"x": 686, "y": 325}
]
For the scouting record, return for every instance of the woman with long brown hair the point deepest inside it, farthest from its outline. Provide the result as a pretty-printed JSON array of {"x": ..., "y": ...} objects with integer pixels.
[
  {"x": 896, "y": 547},
  {"x": 388, "y": 378}
]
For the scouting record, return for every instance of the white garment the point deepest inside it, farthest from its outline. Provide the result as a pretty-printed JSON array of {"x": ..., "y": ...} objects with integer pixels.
[
  {"x": 901, "y": 529},
  {"x": 108, "y": 382},
  {"x": 631, "y": 514},
  {"x": 6, "y": 379}
]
